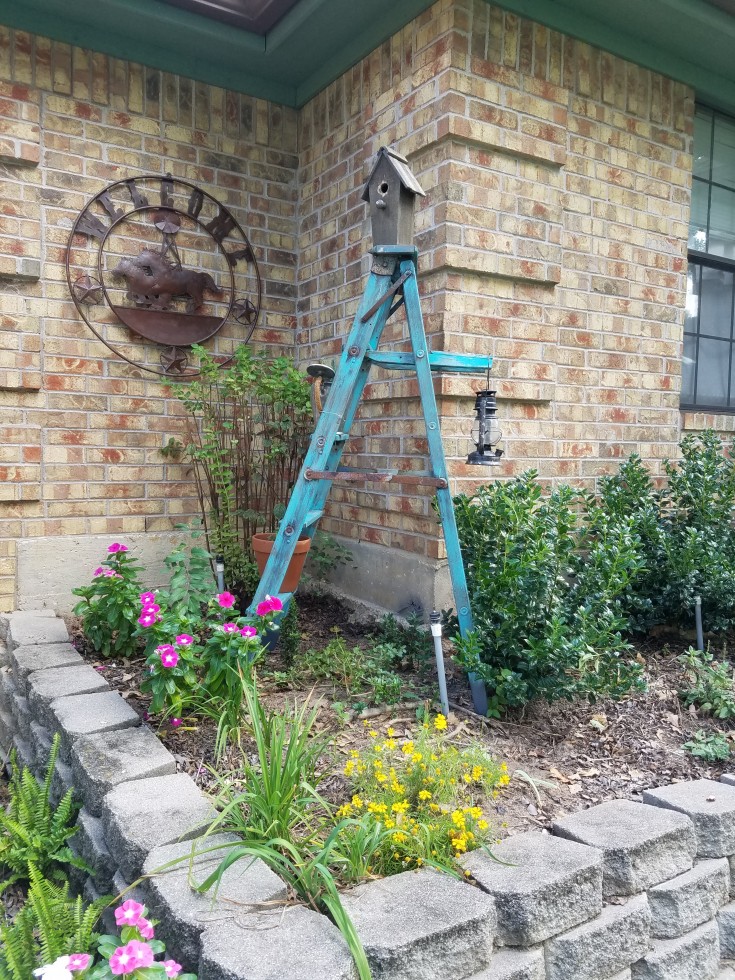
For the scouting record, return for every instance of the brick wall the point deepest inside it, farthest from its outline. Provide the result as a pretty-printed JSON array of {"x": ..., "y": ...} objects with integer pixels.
[
  {"x": 80, "y": 430},
  {"x": 553, "y": 236}
]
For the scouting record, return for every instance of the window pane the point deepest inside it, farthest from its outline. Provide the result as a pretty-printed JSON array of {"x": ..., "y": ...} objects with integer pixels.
[
  {"x": 687, "y": 369},
  {"x": 698, "y": 216},
  {"x": 723, "y": 163},
  {"x": 715, "y": 303},
  {"x": 702, "y": 143},
  {"x": 713, "y": 370},
  {"x": 692, "y": 304},
  {"x": 722, "y": 223}
]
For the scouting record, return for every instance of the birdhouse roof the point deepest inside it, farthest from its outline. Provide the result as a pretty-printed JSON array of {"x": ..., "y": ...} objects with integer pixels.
[{"x": 400, "y": 165}]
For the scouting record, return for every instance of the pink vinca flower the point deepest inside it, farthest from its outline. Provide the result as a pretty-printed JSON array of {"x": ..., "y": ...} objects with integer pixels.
[
  {"x": 133, "y": 956},
  {"x": 129, "y": 913},
  {"x": 116, "y": 548},
  {"x": 268, "y": 605},
  {"x": 169, "y": 656},
  {"x": 99, "y": 571},
  {"x": 110, "y": 573},
  {"x": 78, "y": 962},
  {"x": 230, "y": 628},
  {"x": 226, "y": 600},
  {"x": 249, "y": 631},
  {"x": 150, "y": 608},
  {"x": 145, "y": 928},
  {"x": 147, "y": 597},
  {"x": 172, "y": 968},
  {"x": 175, "y": 722},
  {"x": 184, "y": 640},
  {"x": 147, "y": 618}
]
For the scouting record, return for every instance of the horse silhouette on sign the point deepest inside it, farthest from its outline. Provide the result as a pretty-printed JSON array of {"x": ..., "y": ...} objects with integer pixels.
[{"x": 153, "y": 282}]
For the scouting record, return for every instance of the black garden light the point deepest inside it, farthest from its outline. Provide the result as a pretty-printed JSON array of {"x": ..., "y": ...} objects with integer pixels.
[{"x": 486, "y": 433}]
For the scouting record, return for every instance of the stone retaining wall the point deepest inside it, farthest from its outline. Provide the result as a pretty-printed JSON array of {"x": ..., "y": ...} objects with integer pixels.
[{"x": 624, "y": 890}]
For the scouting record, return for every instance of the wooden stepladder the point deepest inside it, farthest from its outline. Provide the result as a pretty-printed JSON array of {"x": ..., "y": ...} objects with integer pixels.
[{"x": 392, "y": 283}]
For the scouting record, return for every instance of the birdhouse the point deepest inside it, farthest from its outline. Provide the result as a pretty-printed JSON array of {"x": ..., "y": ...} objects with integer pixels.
[{"x": 390, "y": 191}]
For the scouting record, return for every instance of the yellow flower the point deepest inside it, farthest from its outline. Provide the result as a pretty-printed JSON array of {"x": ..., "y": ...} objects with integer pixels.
[
  {"x": 349, "y": 768},
  {"x": 357, "y": 802},
  {"x": 482, "y": 824},
  {"x": 390, "y": 824},
  {"x": 440, "y": 723},
  {"x": 400, "y": 807},
  {"x": 477, "y": 773},
  {"x": 354, "y": 754},
  {"x": 372, "y": 733},
  {"x": 381, "y": 777},
  {"x": 389, "y": 743},
  {"x": 416, "y": 757},
  {"x": 344, "y": 811},
  {"x": 391, "y": 733},
  {"x": 424, "y": 794},
  {"x": 407, "y": 749}
]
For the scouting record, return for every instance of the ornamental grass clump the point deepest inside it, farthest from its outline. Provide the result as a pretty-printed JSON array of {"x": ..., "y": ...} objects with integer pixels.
[{"x": 425, "y": 794}]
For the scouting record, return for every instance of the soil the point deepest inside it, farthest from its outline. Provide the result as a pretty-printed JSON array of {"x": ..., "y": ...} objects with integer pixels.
[{"x": 563, "y": 757}]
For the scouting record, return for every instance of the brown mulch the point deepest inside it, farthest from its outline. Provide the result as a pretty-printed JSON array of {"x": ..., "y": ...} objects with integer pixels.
[{"x": 564, "y": 756}]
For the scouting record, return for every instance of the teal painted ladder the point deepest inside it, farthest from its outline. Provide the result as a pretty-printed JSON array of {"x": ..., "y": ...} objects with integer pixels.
[{"x": 392, "y": 283}]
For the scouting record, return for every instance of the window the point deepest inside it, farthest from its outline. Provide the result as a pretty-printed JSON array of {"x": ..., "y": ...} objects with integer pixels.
[{"x": 709, "y": 327}]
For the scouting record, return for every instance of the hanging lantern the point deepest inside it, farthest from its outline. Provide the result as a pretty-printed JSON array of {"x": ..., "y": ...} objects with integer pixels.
[{"x": 486, "y": 433}]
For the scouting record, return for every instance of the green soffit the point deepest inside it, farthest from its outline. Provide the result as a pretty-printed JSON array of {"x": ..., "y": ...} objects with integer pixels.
[{"x": 692, "y": 41}]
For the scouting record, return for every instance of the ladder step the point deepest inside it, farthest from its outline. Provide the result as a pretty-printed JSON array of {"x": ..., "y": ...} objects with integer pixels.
[
  {"x": 377, "y": 476},
  {"x": 312, "y": 517}
]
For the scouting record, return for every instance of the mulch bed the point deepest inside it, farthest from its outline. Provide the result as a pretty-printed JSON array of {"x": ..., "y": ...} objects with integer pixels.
[{"x": 565, "y": 756}]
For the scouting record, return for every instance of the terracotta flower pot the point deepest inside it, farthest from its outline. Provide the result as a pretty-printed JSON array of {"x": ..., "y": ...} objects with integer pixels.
[{"x": 263, "y": 545}]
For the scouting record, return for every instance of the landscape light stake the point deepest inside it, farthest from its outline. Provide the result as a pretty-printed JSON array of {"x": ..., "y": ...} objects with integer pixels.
[
  {"x": 436, "y": 631},
  {"x": 392, "y": 285}
]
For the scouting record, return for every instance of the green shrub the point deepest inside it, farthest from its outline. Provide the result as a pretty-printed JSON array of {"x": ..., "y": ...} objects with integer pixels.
[
  {"x": 713, "y": 747},
  {"x": 711, "y": 687},
  {"x": 546, "y": 576},
  {"x": 109, "y": 604}
]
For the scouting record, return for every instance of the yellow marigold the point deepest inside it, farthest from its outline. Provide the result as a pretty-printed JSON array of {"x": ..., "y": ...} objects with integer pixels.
[
  {"x": 424, "y": 794},
  {"x": 357, "y": 802},
  {"x": 389, "y": 743},
  {"x": 391, "y": 732},
  {"x": 440, "y": 723},
  {"x": 483, "y": 824},
  {"x": 400, "y": 807},
  {"x": 416, "y": 757},
  {"x": 407, "y": 748},
  {"x": 354, "y": 754},
  {"x": 390, "y": 824},
  {"x": 378, "y": 763},
  {"x": 381, "y": 777},
  {"x": 344, "y": 811},
  {"x": 372, "y": 733},
  {"x": 399, "y": 837},
  {"x": 477, "y": 773},
  {"x": 349, "y": 768}
]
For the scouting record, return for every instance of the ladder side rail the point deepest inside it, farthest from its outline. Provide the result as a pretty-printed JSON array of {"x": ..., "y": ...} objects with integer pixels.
[
  {"x": 325, "y": 450},
  {"x": 419, "y": 345}
]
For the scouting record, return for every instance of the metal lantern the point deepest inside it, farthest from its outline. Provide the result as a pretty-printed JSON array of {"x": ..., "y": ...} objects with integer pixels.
[{"x": 486, "y": 433}]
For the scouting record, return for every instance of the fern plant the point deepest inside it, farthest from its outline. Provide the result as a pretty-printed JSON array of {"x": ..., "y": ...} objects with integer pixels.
[
  {"x": 50, "y": 924},
  {"x": 32, "y": 832}
]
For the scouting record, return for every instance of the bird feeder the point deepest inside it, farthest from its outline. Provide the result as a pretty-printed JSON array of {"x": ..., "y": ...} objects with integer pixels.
[
  {"x": 390, "y": 191},
  {"x": 486, "y": 433}
]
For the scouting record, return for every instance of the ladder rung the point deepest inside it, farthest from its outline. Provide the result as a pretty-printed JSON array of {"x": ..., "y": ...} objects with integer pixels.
[
  {"x": 378, "y": 476},
  {"x": 312, "y": 517}
]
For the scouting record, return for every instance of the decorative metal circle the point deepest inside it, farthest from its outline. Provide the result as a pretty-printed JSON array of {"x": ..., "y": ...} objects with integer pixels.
[{"x": 171, "y": 265}]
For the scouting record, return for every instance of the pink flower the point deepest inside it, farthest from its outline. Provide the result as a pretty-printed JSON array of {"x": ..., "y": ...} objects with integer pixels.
[
  {"x": 147, "y": 597},
  {"x": 268, "y": 605},
  {"x": 133, "y": 956},
  {"x": 99, "y": 571},
  {"x": 172, "y": 968},
  {"x": 230, "y": 628},
  {"x": 116, "y": 548},
  {"x": 169, "y": 657},
  {"x": 145, "y": 928},
  {"x": 249, "y": 631},
  {"x": 150, "y": 608},
  {"x": 184, "y": 640},
  {"x": 100, "y": 667},
  {"x": 226, "y": 600},
  {"x": 175, "y": 722},
  {"x": 147, "y": 619},
  {"x": 78, "y": 961},
  {"x": 110, "y": 573},
  {"x": 129, "y": 913}
]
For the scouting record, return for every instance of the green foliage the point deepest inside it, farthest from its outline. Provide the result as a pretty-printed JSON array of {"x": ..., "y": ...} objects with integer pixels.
[
  {"x": 326, "y": 554},
  {"x": 33, "y": 834},
  {"x": 191, "y": 582},
  {"x": 51, "y": 924},
  {"x": 109, "y": 604},
  {"x": 546, "y": 577},
  {"x": 249, "y": 425},
  {"x": 712, "y": 747},
  {"x": 366, "y": 673},
  {"x": 710, "y": 684},
  {"x": 411, "y": 637}
]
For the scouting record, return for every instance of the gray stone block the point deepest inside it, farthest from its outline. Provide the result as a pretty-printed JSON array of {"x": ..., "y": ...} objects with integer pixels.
[
  {"x": 544, "y": 885},
  {"x": 693, "y": 956},
  {"x": 727, "y": 972},
  {"x": 25, "y": 660},
  {"x": 123, "y": 890},
  {"x": 45, "y": 686},
  {"x": 613, "y": 941},
  {"x": 106, "y": 759},
  {"x": 726, "y": 923},
  {"x": 183, "y": 912},
  {"x": 87, "y": 714},
  {"x": 22, "y": 717},
  {"x": 7, "y": 730},
  {"x": 515, "y": 964},
  {"x": 685, "y": 902},
  {"x": 728, "y": 778},
  {"x": 711, "y": 808},
  {"x": 422, "y": 925},
  {"x": 90, "y": 845},
  {"x": 24, "y": 754},
  {"x": 146, "y": 813},
  {"x": 30, "y": 628},
  {"x": 290, "y": 944},
  {"x": 640, "y": 847},
  {"x": 7, "y": 688},
  {"x": 61, "y": 781}
]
